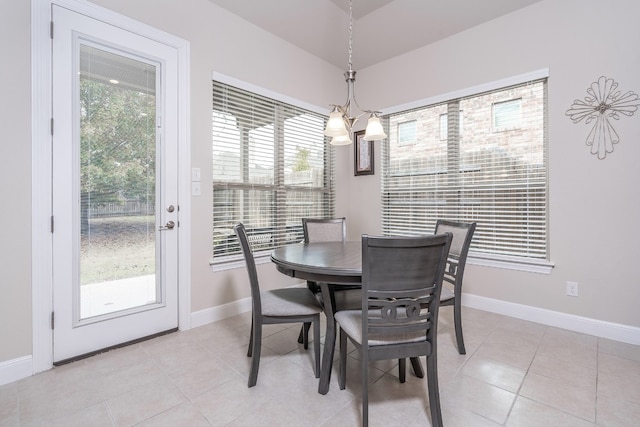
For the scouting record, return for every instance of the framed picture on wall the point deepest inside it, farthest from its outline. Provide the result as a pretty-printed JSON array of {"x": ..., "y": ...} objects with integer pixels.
[{"x": 363, "y": 156}]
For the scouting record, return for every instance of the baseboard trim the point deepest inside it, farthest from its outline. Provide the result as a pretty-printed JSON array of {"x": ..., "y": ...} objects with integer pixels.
[
  {"x": 585, "y": 325},
  {"x": 15, "y": 369},
  {"x": 213, "y": 314}
]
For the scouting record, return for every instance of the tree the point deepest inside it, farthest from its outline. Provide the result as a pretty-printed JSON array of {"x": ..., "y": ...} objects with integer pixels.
[
  {"x": 117, "y": 145},
  {"x": 302, "y": 160}
]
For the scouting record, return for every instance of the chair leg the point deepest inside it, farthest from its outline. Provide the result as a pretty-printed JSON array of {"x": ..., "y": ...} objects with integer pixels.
[
  {"x": 250, "y": 349},
  {"x": 342, "y": 375},
  {"x": 314, "y": 288},
  {"x": 305, "y": 334},
  {"x": 434, "y": 391},
  {"x": 365, "y": 387},
  {"x": 316, "y": 344},
  {"x": 457, "y": 320},
  {"x": 256, "y": 338},
  {"x": 417, "y": 367},
  {"x": 302, "y": 332},
  {"x": 415, "y": 364}
]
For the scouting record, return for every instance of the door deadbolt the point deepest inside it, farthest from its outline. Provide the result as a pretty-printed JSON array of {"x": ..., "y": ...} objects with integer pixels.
[{"x": 170, "y": 208}]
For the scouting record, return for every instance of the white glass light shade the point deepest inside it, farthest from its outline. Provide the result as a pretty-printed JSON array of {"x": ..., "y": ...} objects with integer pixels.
[
  {"x": 335, "y": 125},
  {"x": 374, "y": 131},
  {"x": 341, "y": 140}
]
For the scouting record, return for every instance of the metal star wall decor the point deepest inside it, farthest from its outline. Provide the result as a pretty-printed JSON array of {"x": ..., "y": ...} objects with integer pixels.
[{"x": 602, "y": 104}]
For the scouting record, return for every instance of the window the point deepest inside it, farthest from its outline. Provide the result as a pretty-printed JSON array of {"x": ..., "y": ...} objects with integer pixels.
[
  {"x": 407, "y": 132},
  {"x": 506, "y": 115},
  {"x": 498, "y": 180},
  {"x": 272, "y": 166}
]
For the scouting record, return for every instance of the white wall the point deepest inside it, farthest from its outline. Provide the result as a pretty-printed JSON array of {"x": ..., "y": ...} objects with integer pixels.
[
  {"x": 593, "y": 203},
  {"x": 15, "y": 181}
]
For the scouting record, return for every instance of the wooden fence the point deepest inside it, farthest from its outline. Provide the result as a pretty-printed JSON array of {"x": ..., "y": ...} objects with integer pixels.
[{"x": 128, "y": 208}]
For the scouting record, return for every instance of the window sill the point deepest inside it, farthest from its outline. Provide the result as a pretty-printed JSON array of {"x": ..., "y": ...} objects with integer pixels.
[{"x": 511, "y": 263}]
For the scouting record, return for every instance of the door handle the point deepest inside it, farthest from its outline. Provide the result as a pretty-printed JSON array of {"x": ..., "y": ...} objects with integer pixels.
[{"x": 168, "y": 226}]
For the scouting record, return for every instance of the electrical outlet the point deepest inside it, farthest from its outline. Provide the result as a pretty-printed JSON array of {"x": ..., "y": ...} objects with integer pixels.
[{"x": 572, "y": 289}]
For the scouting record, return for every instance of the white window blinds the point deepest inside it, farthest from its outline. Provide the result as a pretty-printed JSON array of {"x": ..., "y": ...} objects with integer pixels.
[
  {"x": 272, "y": 166},
  {"x": 491, "y": 168}
]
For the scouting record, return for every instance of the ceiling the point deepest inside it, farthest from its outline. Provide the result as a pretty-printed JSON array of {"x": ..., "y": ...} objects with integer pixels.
[{"x": 382, "y": 29}]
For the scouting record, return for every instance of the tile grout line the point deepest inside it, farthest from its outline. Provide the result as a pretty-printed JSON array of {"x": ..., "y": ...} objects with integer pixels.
[
  {"x": 526, "y": 373},
  {"x": 111, "y": 417}
]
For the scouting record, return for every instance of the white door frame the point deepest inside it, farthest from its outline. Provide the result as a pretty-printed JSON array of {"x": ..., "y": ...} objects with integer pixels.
[{"x": 41, "y": 237}]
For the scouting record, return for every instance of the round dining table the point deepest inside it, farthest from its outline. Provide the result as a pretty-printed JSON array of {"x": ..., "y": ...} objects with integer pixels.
[{"x": 329, "y": 264}]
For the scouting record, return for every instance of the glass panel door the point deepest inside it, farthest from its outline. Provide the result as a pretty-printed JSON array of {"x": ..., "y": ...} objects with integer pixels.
[
  {"x": 117, "y": 182},
  {"x": 114, "y": 191}
]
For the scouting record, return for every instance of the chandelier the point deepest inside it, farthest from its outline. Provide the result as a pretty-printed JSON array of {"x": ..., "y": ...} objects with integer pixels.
[{"x": 341, "y": 119}]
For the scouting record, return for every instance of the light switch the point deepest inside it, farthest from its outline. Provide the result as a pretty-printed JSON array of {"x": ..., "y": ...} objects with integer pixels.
[{"x": 195, "y": 174}]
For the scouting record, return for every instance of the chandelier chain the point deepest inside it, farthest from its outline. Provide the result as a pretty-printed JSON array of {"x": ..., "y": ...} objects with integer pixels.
[{"x": 350, "y": 32}]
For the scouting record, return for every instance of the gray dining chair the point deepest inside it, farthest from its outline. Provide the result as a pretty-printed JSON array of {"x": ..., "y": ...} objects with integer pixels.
[
  {"x": 286, "y": 305},
  {"x": 328, "y": 230},
  {"x": 323, "y": 230},
  {"x": 452, "y": 293},
  {"x": 400, "y": 276}
]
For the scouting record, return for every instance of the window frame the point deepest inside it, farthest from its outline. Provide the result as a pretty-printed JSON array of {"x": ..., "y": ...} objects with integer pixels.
[
  {"x": 444, "y": 127},
  {"x": 279, "y": 186},
  {"x": 493, "y": 260}
]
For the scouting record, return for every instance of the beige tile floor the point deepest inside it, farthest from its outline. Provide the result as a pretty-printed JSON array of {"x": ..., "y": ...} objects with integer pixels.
[{"x": 515, "y": 373}]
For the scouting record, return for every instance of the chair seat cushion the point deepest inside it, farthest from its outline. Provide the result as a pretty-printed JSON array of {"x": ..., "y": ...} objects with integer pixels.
[
  {"x": 351, "y": 322},
  {"x": 289, "y": 302},
  {"x": 446, "y": 294}
]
